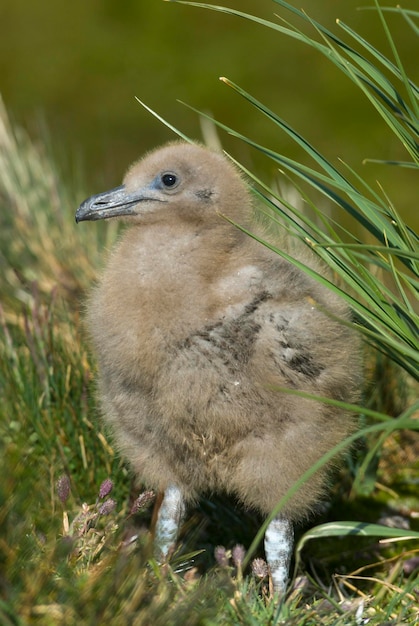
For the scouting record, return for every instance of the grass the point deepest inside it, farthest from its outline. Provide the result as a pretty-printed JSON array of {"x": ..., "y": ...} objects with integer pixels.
[{"x": 67, "y": 548}]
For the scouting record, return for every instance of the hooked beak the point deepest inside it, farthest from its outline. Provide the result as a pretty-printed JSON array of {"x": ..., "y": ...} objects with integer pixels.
[{"x": 113, "y": 203}]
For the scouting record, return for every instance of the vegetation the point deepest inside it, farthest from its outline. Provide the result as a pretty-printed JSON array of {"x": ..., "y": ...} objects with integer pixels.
[{"x": 67, "y": 562}]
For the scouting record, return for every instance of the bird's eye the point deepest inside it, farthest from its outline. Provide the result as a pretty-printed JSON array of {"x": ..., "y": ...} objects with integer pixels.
[{"x": 169, "y": 180}]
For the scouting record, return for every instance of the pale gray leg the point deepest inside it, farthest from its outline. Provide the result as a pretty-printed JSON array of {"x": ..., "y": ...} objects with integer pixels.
[
  {"x": 279, "y": 542},
  {"x": 169, "y": 519}
]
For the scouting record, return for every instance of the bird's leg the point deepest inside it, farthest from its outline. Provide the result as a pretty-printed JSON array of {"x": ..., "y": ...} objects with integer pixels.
[
  {"x": 169, "y": 519},
  {"x": 279, "y": 541}
]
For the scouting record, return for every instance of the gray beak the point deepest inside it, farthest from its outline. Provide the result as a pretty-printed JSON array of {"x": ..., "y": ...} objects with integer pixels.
[{"x": 113, "y": 203}]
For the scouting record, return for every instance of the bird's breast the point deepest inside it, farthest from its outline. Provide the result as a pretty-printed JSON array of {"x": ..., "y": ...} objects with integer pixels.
[{"x": 160, "y": 291}]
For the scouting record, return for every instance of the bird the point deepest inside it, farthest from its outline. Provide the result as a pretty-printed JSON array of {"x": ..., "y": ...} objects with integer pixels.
[{"x": 201, "y": 332}]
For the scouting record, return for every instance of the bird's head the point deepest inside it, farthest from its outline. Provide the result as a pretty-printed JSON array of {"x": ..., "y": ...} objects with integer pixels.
[{"x": 180, "y": 181}]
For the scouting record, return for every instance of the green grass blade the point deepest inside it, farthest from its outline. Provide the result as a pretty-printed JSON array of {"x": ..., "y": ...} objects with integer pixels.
[
  {"x": 376, "y": 225},
  {"x": 357, "y": 529},
  {"x": 407, "y": 83},
  {"x": 379, "y": 56},
  {"x": 164, "y": 121}
]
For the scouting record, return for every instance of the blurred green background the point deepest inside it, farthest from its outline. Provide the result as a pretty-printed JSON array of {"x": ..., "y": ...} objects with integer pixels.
[{"x": 74, "y": 68}]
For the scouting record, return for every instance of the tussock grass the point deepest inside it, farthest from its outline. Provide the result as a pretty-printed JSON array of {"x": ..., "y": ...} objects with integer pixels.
[{"x": 74, "y": 547}]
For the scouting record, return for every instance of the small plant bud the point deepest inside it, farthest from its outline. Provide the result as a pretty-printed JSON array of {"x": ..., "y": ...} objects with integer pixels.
[
  {"x": 221, "y": 556},
  {"x": 142, "y": 501},
  {"x": 105, "y": 488},
  {"x": 259, "y": 568},
  {"x": 63, "y": 487},
  {"x": 238, "y": 553},
  {"x": 411, "y": 565},
  {"x": 107, "y": 507}
]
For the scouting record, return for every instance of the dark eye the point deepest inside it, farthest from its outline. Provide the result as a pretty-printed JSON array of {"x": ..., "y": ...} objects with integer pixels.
[{"x": 169, "y": 179}]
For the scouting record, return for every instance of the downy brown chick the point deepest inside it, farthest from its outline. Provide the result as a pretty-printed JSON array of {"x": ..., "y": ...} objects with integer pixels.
[{"x": 197, "y": 328}]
